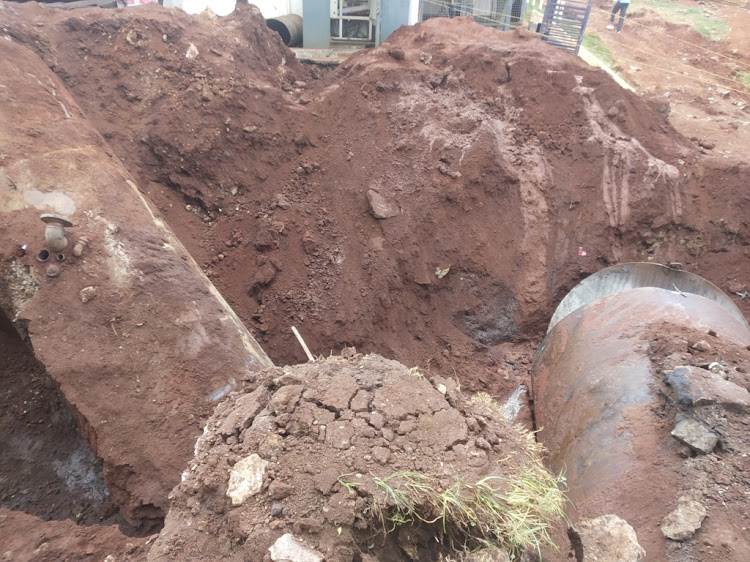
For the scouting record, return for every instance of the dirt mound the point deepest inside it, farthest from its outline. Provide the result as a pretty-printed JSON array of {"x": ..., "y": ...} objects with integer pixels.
[
  {"x": 358, "y": 458},
  {"x": 187, "y": 85},
  {"x": 497, "y": 158},
  {"x": 431, "y": 200}
]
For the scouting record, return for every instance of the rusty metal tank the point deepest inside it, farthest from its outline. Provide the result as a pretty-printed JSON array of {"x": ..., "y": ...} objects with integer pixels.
[{"x": 594, "y": 396}]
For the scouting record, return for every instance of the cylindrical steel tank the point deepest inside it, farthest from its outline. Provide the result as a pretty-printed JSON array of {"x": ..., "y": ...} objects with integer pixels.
[{"x": 595, "y": 396}]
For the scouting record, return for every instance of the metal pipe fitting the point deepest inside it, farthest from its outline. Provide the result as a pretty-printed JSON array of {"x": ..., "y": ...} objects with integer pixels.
[
  {"x": 54, "y": 234},
  {"x": 289, "y": 27}
]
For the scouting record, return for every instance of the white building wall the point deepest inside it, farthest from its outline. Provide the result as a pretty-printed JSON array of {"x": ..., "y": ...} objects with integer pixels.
[{"x": 269, "y": 8}]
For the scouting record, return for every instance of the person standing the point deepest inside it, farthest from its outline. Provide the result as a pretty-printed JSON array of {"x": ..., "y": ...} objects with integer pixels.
[{"x": 622, "y": 7}]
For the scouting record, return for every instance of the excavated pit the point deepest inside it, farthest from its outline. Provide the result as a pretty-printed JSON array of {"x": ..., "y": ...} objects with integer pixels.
[
  {"x": 47, "y": 468},
  {"x": 432, "y": 200}
]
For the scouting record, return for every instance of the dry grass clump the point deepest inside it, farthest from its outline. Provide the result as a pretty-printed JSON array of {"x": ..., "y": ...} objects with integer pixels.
[{"x": 514, "y": 511}]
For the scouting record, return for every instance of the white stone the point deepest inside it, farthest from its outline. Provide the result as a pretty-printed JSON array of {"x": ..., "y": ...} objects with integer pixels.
[
  {"x": 288, "y": 548},
  {"x": 606, "y": 539},
  {"x": 682, "y": 523},
  {"x": 246, "y": 478},
  {"x": 192, "y": 52}
]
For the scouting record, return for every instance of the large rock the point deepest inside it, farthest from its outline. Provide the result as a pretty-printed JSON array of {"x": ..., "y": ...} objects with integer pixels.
[
  {"x": 288, "y": 548},
  {"x": 694, "y": 386},
  {"x": 695, "y": 435},
  {"x": 141, "y": 362},
  {"x": 682, "y": 523},
  {"x": 246, "y": 479},
  {"x": 605, "y": 539}
]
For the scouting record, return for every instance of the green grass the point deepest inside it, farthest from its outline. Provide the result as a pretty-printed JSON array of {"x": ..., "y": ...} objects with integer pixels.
[
  {"x": 712, "y": 28},
  {"x": 744, "y": 77},
  {"x": 593, "y": 42}
]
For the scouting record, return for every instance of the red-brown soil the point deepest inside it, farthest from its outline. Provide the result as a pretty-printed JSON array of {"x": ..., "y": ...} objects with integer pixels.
[
  {"x": 329, "y": 430},
  {"x": 718, "y": 480},
  {"x": 499, "y": 155},
  {"x": 54, "y": 504}
]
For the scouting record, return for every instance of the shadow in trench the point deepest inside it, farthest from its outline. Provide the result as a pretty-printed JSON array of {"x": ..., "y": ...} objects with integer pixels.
[{"x": 47, "y": 468}]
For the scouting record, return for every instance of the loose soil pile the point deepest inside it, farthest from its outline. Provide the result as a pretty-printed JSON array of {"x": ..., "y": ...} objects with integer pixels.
[
  {"x": 496, "y": 161},
  {"x": 361, "y": 459},
  {"x": 430, "y": 200}
]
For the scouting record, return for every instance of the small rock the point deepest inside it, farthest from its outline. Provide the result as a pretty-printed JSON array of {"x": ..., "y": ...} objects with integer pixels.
[
  {"x": 326, "y": 480},
  {"x": 397, "y": 53},
  {"x": 263, "y": 277},
  {"x": 277, "y": 510},
  {"x": 605, "y": 539},
  {"x": 481, "y": 443},
  {"x": 309, "y": 525},
  {"x": 455, "y": 174},
  {"x": 736, "y": 287},
  {"x": 707, "y": 144},
  {"x": 361, "y": 401},
  {"x": 87, "y": 294},
  {"x": 285, "y": 399},
  {"x": 289, "y": 548},
  {"x": 381, "y": 454},
  {"x": 279, "y": 490},
  {"x": 377, "y": 420},
  {"x": 246, "y": 478},
  {"x": 53, "y": 270},
  {"x": 380, "y": 207},
  {"x": 682, "y": 523},
  {"x": 695, "y": 435},
  {"x": 247, "y": 407},
  {"x": 192, "y": 52},
  {"x": 701, "y": 345},
  {"x": 281, "y": 202}
]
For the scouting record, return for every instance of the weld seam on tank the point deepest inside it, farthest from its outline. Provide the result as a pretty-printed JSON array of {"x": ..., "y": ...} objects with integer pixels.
[{"x": 289, "y": 27}]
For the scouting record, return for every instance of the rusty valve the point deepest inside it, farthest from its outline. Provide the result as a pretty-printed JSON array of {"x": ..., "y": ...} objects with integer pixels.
[{"x": 54, "y": 234}]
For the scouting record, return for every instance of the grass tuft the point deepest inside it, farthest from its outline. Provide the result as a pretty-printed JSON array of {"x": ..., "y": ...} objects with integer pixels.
[
  {"x": 744, "y": 77},
  {"x": 515, "y": 511},
  {"x": 593, "y": 42}
]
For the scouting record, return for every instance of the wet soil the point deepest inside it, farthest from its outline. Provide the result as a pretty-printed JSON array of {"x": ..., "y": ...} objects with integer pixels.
[{"x": 509, "y": 171}]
